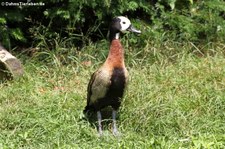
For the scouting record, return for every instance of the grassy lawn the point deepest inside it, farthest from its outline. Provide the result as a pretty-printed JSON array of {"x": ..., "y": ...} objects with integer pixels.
[{"x": 175, "y": 101}]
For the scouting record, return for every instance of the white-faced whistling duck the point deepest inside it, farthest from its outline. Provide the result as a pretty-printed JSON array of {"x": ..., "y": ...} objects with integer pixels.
[{"x": 107, "y": 84}]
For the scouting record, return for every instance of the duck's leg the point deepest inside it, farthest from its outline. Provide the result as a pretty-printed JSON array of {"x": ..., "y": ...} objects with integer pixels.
[
  {"x": 114, "y": 127},
  {"x": 99, "y": 116}
]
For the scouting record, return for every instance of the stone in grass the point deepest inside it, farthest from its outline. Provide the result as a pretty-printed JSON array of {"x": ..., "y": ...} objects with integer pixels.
[{"x": 10, "y": 66}]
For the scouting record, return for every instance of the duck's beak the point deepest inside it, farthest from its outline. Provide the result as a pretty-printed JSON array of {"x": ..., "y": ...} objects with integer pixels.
[{"x": 132, "y": 29}]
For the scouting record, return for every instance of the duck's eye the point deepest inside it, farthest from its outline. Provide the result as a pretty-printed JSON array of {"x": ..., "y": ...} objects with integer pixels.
[{"x": 124, "y": 22}]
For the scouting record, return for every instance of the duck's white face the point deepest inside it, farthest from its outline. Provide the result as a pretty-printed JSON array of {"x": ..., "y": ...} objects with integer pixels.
[
  {"x": 121, "y": 24},
  {"x": 124, "y": 23}
]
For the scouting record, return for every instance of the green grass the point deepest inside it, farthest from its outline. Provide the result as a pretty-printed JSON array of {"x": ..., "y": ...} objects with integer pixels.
[{"x": 175, "y": 99}]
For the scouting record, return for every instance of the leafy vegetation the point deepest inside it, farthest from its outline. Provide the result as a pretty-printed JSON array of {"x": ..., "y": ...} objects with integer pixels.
[{"x": 81, "y": 21}]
